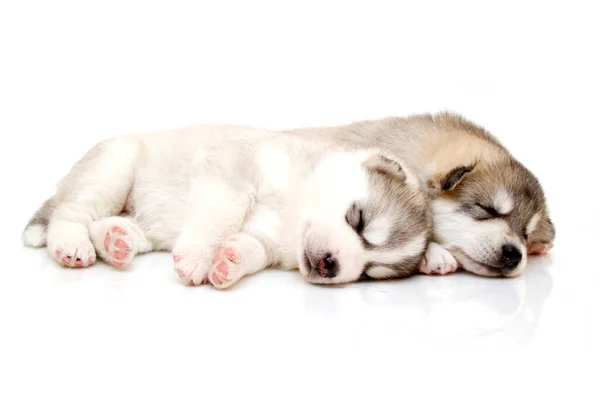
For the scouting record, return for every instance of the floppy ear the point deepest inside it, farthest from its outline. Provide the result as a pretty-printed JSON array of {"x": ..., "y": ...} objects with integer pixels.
[
  {"x": 385, "y": 164},
  {"x": 542, "y": 238},
  {"x": 447, "y": 181}
]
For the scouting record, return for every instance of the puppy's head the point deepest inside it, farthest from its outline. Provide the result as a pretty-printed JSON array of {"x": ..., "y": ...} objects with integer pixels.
[
  {"x": 491, "y": 216},
  {"x": 365, "y": 216}
]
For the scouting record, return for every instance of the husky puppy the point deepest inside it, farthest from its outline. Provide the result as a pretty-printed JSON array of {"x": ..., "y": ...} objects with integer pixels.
[
  {"x": 230, "y": 201},
  {"x": 489, "y": 210}
]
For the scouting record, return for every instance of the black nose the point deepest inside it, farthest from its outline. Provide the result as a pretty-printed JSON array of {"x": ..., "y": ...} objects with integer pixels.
[
  {"x": 512, "y": 256},
  {"x": 326, "y": 267}
]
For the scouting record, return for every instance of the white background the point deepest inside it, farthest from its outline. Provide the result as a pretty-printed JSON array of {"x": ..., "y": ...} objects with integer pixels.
[{"x": 72, "y": 73}]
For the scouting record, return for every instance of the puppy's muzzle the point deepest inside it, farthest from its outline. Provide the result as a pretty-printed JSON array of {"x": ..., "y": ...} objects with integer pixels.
[{"x": 322, "y": 264}]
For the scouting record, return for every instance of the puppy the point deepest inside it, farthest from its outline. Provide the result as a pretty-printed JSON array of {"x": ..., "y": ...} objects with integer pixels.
[
  {"x": 231, "y": 201},
  {"x": 489, "y": 210}
]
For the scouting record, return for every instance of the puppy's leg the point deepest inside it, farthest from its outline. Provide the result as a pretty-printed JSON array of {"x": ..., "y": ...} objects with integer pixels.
[
  {"x": 216, "y": 210},
  {"x": 438, "y": 261},
  {"x": 118, "y": 239},
  {"x": 241, "y": 254},
  {"x": 96, "y": 187}
]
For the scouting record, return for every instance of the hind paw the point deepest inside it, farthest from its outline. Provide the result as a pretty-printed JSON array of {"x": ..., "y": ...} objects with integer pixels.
[
  {"x": 118, "y": 246},
  {"x": 75, "y": 255},
  {"x": 69, "y": 244},
  {"x": 225, "y": 267}
]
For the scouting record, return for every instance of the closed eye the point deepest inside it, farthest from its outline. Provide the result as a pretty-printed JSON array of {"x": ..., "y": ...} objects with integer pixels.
[
  {"x": 487, "y": 212},
  {"x": 355, "y": 218},
  {"x": 360, "y": 226}
]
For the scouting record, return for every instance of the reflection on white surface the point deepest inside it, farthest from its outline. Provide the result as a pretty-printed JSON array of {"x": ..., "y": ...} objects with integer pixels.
[
  {"x": 91, "y": 318},
  {"x": 449, "y": 310}
]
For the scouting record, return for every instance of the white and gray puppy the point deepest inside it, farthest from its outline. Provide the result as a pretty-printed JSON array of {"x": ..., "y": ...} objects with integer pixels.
[
  {"x": 229, "y": 201},
  {"x": 489, "y": 210}
]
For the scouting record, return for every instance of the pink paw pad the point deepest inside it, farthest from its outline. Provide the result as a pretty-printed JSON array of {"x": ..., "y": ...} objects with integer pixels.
[
  {"x": 222, "y": 263},
  {"x": 116, "y": 244},
  {"x": 216, "y": 280}
]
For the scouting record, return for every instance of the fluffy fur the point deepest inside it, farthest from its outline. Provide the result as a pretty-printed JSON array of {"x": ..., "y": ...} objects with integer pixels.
[
  {"x": 489, "y": 210},
  {"x": 230, "y": 201}
]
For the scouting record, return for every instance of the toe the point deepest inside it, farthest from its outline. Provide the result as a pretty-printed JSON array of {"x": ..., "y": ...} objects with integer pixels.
[
  {"x": 215, "y": 279},
  {"x": 67, "y": 261},
  {"x": 200, "y": 279}
]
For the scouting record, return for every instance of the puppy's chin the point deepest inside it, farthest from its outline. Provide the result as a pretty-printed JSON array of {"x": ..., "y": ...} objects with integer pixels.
[{"x": 476, "y": 267}]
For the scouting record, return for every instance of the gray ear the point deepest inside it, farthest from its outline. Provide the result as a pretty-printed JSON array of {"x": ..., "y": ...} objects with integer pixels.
[
  {"x": 446, "y": 182},
  {"x": 386, "y": 165}
]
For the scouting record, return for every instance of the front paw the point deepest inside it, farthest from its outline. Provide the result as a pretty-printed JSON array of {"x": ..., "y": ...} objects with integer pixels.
[
  {"x": 539, "y": 249},
  {"x": 438, "y": 261},
  {"x": 190, "y": 268}
]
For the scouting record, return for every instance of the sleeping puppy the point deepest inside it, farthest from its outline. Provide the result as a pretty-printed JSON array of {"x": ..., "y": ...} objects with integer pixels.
[
  {"x": 489, "y": 210},
  {"x": 230, "y": 201}
]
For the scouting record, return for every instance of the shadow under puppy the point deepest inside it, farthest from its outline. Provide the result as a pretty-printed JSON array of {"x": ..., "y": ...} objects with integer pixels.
[{"x": 230, "y": 201}]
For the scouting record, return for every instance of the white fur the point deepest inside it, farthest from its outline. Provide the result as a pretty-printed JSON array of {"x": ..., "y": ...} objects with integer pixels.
[
  {"x": 69, "y": 242},
  {"x": 438, "y": 261},
  {"x": 473, "y": 243},
  {"x": 35, "y": 236},
  {"x": 532, "y": 225},
  {"x": 378, "y": 231},
  {"x": 411, "y": 249},
  {"x": 338, "y": 181},
  {"x": 380, "y": 272},
  {"x": 503, "y": 202},
  {"x": 227, "y": 201}
]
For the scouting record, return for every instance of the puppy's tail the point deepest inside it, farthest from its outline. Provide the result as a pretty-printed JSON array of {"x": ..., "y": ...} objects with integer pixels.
[{"x": 34, "y": 234}]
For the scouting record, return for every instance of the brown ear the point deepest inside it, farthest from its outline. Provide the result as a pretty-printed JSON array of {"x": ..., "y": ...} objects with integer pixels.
[
  {"x": 386, "y": 165},
  {"x": 447, "y": 181},
  {"x": 541, "y": 240}
]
